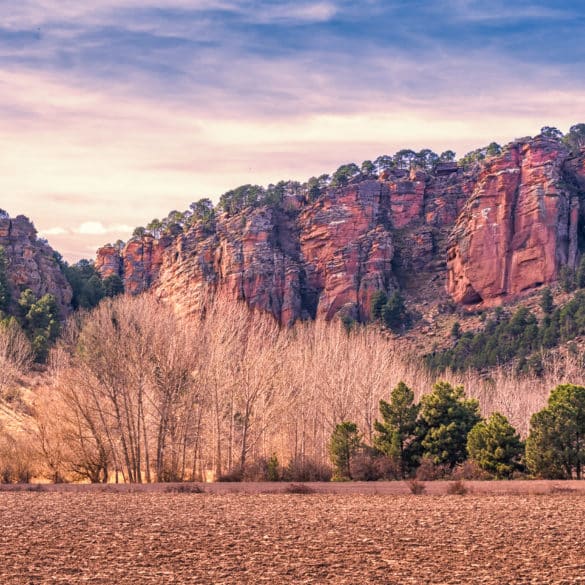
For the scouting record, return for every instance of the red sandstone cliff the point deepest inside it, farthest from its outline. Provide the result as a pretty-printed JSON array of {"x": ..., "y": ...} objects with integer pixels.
[
  {"x": 517, "y": 228},
  {"x": 484, "y": 234},
  {"x": 31, "y": 263}
]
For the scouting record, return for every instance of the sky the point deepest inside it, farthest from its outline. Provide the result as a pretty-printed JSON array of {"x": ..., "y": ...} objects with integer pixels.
[{"x": 115, "y": 112}]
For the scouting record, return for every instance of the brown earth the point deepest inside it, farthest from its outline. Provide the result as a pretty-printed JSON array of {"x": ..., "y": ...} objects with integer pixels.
[{"x": 122, "y": 535}]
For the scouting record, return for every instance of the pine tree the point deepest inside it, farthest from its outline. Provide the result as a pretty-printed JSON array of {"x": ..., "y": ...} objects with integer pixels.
[
  {"x": 580, "y": 276},
  {"x": 555, "y": 448},
  {"x": 113, "y": 285},
  {"x": 394, "y": 313},
  {"x": 4, "y": 288},
  {"x": 546, "y": 301},
  {"x": 379, "y": 299},
  {"x": 567, "y": 279},
  {"x": 446, "y": 418},
  {"x": 395, "y": 435},
  {"x": 495, "y": 446},
  {"x": 40, "y": 321},
  {"x": 343, "y": 445}
]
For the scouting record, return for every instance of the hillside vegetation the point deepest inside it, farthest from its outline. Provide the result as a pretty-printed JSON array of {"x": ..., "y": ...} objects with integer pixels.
[
  {"x": 307, "y": 330},
  {"x": 139, "y": 395}
]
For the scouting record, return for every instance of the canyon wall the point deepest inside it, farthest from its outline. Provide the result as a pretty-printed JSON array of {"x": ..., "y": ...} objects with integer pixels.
[
  {"x": 519, "y": 226},
  {"x": 482, "y": 234}
]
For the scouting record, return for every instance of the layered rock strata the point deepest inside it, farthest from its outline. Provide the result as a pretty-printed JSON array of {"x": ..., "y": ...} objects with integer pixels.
[
  {"x": 487, "y": 233},
  {"x": 517, "y": 229}
]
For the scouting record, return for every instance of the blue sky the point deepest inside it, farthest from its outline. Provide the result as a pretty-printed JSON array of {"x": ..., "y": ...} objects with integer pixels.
[{"x": 113, "y": 112}]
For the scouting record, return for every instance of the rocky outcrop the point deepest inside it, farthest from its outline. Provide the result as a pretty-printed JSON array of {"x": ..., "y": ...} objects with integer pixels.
[
  {"x": 347, "y": 249},
  {"x": 517, "y": 228},
  {"x": 31, "y": 263},
  {"x": 333, "y": 255},
  {"x": 484, "y": 234},
  {"x": 108, "y": 261},
  {"x": 251, "y": 257}
]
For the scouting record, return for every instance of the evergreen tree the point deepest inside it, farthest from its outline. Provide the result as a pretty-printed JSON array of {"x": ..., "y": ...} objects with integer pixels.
[
  {"x": 551, "y": 132},
  {"x": 493, "y": 149},
  {"x": 395, "y": 435},
  {"x": 447, "y": 156},
  {"x": 495, "y": 446},
  {"x": 86, "y": 284},
  {"x": 580, "y": 276},
  {"x": 404, "y": 158},
  {"x": 273, "y": 468},
  {"x": 567, "y": 279},
  {"x": 313, "y": 189},
  {"x": 94, "y": 292},
  {"x": 446, "y": 417},
  {"x": 555, "y": 448},
  {"x": 546, "y": 301},
  {"x": 575, "y": 138},
  {"x": 113, "y": 286},
  {"x": 368, "y": 168},
  {"x": 505, "y": 338},
  {"x": 4, "y": 288},
  {"x": 39, "y": 319},
  {"x": 348, "y": 322},
  {"x": 240, "y": 198},
  {"x": 384, "y": 163},
  {"x": 394, "y": 314},
  {"x": 343, "y": 445},
  {"x": 343, "y": 175},
  {"x": 379, "y": 299},
  {"x": 203, "y": 211}
]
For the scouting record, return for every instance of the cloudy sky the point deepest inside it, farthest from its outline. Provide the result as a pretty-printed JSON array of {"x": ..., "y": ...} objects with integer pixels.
[{"x": 113, "y": 112}]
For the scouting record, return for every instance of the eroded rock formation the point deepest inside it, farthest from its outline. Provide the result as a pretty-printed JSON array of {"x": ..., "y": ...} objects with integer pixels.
[
  {"x": 518, "y": 227},
  {"x": 31, "y": 263},
  {"x": 484, "y": 234}
]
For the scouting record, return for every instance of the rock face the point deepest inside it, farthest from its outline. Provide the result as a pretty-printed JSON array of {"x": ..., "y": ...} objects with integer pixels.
[
  {"x": 31, "y": 263},
  {"x": 484, "y": 234},
  {"x": 108, "y": 261},
  {"x": 332, "y": 255},
  {"x": 347, "y": 250},
  {"x": 518, "y": 227}
]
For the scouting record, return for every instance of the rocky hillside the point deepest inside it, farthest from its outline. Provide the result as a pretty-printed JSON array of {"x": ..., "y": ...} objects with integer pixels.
[
  {"x": 31, "y": 263},
  {"x": 485, "y": 232}
]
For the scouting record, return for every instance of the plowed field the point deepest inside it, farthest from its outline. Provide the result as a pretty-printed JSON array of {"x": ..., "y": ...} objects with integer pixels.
[{"x": 151, "y": 536}]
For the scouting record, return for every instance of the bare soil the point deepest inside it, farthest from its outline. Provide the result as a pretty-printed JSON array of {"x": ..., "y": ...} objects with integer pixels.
[{"x": 511, "y": 533}]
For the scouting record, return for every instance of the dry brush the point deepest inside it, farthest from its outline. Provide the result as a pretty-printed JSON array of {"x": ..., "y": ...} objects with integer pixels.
[{"x": 141, "y": 395}]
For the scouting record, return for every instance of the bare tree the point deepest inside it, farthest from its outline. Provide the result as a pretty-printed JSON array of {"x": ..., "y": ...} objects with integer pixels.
[
  {"x": 15, "y": 354},
  {"x": 124, "y": 372},
  {"x": 141, "y": 394}
]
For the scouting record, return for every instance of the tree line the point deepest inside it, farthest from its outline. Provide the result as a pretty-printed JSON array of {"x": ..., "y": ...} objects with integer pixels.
[
  {"x": 203, "y": 212},
  {"x": 518, "y": 337},
  {"x": 136, "y": 394},
  {"x": 445, "y": 430}
]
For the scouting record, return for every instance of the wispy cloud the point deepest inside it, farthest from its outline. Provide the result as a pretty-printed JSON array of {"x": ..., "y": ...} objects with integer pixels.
[
  {"x": 120, "y": 110},
  {"x": 503, "y": 11},
  {"x": 298, "y": 12},
  {"x": 54, "y": 231},
  {"x": 97, "y": 228}
]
